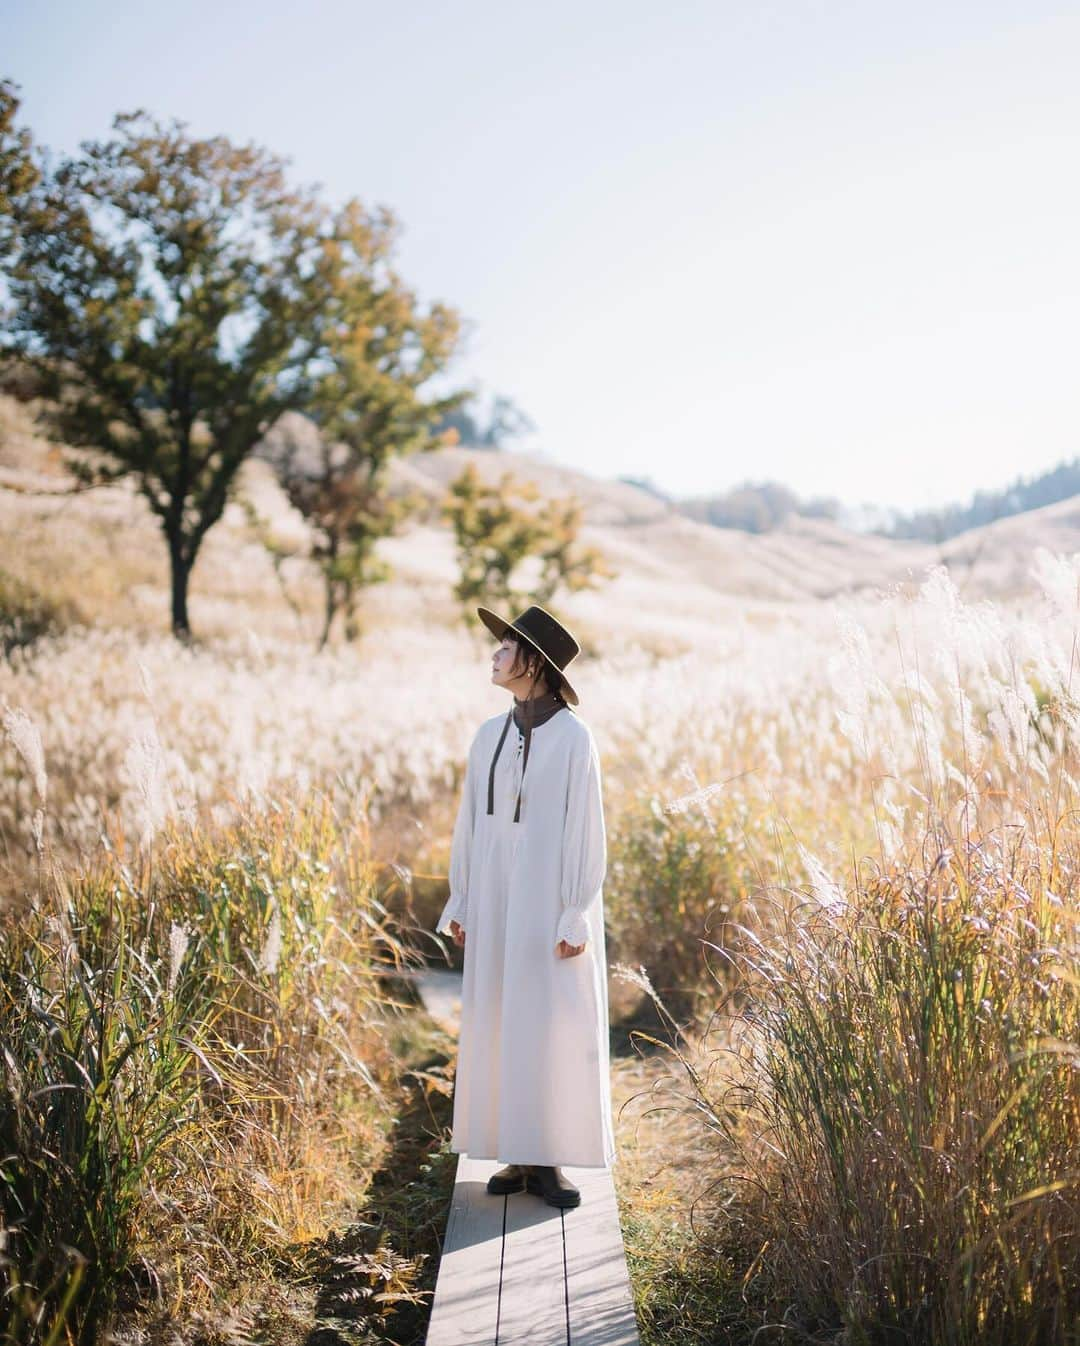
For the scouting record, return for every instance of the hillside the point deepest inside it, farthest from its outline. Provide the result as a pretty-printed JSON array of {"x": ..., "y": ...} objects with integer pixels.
[
  {"x": 759, "y": 507},
  {"x": 995, "y": 559},
  {"x": 676, "y": 577},
  {"x": 654, "y": 541}
]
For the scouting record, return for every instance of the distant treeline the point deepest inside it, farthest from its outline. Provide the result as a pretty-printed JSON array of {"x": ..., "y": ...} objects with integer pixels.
[
  {"x": 753, "y": 507},
  {"x": 761, "y": 507},
  {"x": 935, "y": 525},
  {"x": 756, "y": 508},
  {"x": 504, "y": 421}
]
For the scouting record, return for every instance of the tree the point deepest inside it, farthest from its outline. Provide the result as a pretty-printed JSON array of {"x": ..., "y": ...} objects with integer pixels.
[
  {"x": 498, "y": 527},
  {"x": 339, "y": 486},
  {"x": 369, "y": 409},
  {"x": 18, "y": 172},
  {"x": 177, "y": 297},
  {"x": 564, "y": 564}
]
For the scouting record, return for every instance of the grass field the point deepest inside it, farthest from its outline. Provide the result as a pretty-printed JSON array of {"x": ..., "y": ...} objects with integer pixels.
[{"x": 841, "y": 901}]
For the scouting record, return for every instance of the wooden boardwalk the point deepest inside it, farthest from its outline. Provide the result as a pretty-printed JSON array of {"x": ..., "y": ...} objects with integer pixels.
[{"x": 516, "y": 1270}]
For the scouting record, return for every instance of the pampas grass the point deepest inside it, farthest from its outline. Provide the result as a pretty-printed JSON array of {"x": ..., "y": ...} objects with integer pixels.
[
  {"x": 178, "y": 1027},
  {"x": 891, "y": 1075},
  {"x": 844, "y": 844}
]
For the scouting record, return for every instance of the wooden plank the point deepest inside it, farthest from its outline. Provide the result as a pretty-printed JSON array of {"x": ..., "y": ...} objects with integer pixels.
[
  {"x": 534, "y": 1300},
  {"x": 516, "y": 1271},
  {"x": 465, "y": 1309},
  {"x": 601, "y": 1302}
]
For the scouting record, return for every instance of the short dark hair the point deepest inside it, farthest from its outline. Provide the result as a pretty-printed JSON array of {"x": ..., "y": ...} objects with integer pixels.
[{"x": 526, "y": 655}]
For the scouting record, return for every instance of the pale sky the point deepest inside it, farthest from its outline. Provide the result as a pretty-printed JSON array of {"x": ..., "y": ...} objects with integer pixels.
[{"x": 835, "y": 245}]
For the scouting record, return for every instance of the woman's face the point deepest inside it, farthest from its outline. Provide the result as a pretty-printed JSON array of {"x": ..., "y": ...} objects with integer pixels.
[{"x": 502, "y": 661}]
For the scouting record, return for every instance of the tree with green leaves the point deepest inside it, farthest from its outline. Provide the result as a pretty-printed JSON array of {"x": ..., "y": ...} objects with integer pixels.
[
  {"x": 177, "y": 296},
  {"x": 500, "y": 526},
  {"x": 369, "y": 409},
  {"x": 339, "y": 485},
  {"x": 18, "y": 172}
]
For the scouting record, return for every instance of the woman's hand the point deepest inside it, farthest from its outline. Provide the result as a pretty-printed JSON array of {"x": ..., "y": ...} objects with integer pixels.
[
  {"x": 565, "y": 950},
  {"x": 458, "y": 934}
]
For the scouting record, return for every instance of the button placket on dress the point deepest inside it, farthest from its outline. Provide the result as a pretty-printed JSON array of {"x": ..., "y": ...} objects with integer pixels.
[{"x": 517, "y": 785}]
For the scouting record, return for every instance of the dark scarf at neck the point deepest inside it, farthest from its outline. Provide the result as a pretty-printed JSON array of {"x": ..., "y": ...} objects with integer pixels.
[
  {"x": 526, "y": 715},
  {"x": 543, "y": 708}
]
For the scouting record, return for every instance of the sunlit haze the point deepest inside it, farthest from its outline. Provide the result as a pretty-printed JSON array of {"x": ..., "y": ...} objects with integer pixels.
[{"x": 833, "y": 246}]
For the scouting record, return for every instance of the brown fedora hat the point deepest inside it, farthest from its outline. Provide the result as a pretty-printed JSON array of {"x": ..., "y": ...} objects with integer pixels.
[{"x": 545, "y": 633}]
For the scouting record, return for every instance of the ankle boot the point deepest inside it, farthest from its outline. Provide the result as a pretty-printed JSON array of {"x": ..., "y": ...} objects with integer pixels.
[
  {"x": 508, "y": 1179},
  {"x": 550, "y": 1182}
]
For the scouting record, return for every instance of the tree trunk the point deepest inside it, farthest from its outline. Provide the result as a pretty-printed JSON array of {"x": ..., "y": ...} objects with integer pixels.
[
  {"x": 352, "y": 616},
  {"x": 181, "y": 572},
  {"x": 332, "y": 598}
]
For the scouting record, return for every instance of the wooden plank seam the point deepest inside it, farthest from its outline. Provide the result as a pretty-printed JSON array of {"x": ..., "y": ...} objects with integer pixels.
[
  {"x": 502, "y": 1259},
  {"x": 565, "y": 1275}
]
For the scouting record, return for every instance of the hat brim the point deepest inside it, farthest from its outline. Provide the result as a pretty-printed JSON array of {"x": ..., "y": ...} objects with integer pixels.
[{"x": 499, "y": 626}]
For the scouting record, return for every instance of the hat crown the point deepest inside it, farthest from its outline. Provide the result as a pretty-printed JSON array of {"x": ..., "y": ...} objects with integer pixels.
[{"x": 548, "y": 633}]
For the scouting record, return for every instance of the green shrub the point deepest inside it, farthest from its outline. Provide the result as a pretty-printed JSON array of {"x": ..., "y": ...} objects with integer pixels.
[{"x": 677, "y": 885}]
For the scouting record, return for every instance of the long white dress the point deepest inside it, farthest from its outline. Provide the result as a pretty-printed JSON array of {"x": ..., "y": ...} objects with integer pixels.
[{"x": 532, "y": 1084}]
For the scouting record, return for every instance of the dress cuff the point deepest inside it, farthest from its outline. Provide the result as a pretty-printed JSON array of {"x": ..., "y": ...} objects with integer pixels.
[
  {"x": 455, "y": 910},
  {"x": 573, "y": 927}
]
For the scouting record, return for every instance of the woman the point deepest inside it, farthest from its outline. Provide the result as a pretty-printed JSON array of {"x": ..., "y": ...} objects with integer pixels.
[{"x": 527, "y": 864}]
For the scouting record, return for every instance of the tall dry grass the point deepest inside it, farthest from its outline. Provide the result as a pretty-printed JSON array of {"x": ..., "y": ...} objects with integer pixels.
[
  {"x": 193, "y": 1061},
  {"x": 892, "y": 1071},
  {"x": 867, "y": 807},
  {"x": 900, "y": 1106}
]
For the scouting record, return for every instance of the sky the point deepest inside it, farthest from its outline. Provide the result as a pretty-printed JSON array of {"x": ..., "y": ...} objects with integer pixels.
[{"x": 833, "y": 245}]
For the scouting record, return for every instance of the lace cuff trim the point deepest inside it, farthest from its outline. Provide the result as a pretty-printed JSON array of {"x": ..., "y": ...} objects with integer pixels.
[
  {"x": 573, "y": 927},
  {"x": 455, "y": 910}
]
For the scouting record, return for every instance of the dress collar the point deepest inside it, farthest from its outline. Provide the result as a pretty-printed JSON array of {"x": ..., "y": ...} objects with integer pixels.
[
  {"x": 526, "y": 715},
  {"x": 543, "y": 708}
]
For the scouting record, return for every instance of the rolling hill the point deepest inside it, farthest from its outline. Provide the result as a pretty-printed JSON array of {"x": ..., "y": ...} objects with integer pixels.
[{"x": 676, "y": 577}]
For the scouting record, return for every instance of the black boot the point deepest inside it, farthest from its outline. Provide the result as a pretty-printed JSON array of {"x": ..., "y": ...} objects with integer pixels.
[
  {"x": 548, "y": 1181},
  {"x": 508, "y": 1179}
]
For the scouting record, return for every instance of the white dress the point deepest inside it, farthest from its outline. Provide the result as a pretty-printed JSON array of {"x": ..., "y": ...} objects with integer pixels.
[{"x": 532, "y": 1084}]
